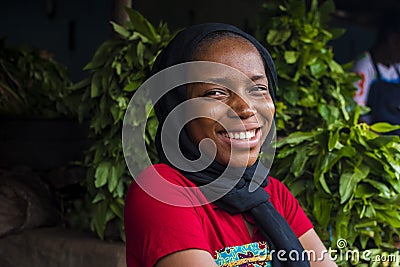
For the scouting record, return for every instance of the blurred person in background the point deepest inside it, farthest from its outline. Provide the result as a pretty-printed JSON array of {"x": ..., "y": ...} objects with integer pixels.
[{"x": 379, "y": 87}]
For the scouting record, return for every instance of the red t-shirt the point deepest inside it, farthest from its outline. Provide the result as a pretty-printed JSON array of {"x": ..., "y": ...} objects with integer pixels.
[{"x": 155, "y": 229}]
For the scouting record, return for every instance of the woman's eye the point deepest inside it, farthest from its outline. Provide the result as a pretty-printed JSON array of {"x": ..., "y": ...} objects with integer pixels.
[
  {"x": 259, "y": 90},
  {"x": 215, "y": 93}
]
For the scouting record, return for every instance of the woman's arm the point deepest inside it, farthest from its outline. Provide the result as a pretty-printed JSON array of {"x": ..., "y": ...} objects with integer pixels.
[
  {"x": 190, "y": 257},
  {"x": 319, "y": 255}
]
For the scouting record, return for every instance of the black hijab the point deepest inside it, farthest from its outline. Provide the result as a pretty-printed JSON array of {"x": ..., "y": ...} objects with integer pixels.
[{"x": 239, "y": 199}]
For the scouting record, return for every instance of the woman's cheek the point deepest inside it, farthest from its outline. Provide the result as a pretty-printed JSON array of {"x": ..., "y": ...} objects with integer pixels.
[
  {"x": 266, "y": 109},
  {"x": 217, "y": 110},
  {"x": 205, "y": 108}
]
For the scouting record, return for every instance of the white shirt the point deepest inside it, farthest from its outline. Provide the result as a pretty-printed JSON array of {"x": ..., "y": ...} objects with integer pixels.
[{"x": 365, "y": 68}]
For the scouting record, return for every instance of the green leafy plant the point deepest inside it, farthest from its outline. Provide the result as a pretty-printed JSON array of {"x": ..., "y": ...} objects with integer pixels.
[
  {"x": 345, "y": 174},
  {"x": 33, "y": 83},
  {"x": 118, "y": 68}
]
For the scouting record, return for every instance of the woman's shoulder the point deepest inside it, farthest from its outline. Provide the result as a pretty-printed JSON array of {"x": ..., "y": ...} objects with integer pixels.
[
  {"x": 160, "y": 183},
  {"x": 161, "y": 171},
  {"x": 160, "y": 168},
  {"x": 274, "y": 185}
]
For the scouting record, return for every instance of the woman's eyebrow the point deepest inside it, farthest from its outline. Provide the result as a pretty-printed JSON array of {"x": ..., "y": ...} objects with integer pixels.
[
  {"x": 228, "y": 81},
  {"x": 231, "y": 84},
  {"x": 258, "y": 77}
]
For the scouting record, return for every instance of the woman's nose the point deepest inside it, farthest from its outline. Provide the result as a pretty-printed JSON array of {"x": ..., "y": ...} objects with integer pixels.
[{"x": 240, "y": 107}]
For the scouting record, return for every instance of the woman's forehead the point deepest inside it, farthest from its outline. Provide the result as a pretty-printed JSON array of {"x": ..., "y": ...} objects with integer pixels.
[{"x": 209, "y": 43}]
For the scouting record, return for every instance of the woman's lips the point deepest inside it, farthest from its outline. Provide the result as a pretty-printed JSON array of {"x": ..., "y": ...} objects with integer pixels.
[{"x": 241, "y": 139}]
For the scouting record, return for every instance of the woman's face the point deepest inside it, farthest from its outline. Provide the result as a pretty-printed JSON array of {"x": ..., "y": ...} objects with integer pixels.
[{"x": 239, "y": 127}]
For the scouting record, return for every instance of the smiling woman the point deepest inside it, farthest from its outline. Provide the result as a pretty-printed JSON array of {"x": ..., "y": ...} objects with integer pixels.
[
  {"x": 252, "y": 110},
  {"x": 233, "y": 122}
]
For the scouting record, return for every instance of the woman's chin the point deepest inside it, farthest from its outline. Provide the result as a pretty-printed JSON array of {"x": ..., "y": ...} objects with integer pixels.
[{"x": 239, "y": 161}]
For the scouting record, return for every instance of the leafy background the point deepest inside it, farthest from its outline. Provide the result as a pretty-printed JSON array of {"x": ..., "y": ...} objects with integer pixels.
[
  {"x": 32, "y": 83},
  {"x": 118, "y": 68}
]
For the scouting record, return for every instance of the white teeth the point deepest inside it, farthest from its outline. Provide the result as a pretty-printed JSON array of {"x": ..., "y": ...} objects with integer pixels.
[{"x": 240, "y": 135}]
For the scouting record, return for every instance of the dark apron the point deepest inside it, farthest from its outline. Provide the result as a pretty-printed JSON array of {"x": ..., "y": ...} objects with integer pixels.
[{"x": 384, "y": 100}]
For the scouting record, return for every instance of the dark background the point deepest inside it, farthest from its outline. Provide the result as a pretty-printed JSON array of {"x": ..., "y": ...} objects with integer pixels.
[{"x": 72, "y": 30}]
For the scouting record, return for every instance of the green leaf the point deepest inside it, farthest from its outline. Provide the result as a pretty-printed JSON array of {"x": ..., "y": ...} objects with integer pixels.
[
  {"x": 285, "y": 152},
  {"x": 96, "y": 85},
  {"x": 140, "y": 52},
  {"x": 342, "y": 224},
  {"x": 118, "y": 210},
  {"x": 334, "y": 142},
  {"x": 99, "y": 58},
  {"x": 308, "y": 101},
  {"x": 297, "y": 187},
  {"x": 132, "y": 86},
  {"x": 328, "y": 112},
  {"x": 318, "y": 68},
  {"x": 99, "y": 197},
  {"x": 322, "y": 210},
  {"x": 323, "y": 183},
  {"x": 276, "y": 37},
  {"x": 292, "y": 96},
  {"x": 396, "y": 185},
  {"x": 383, "y": 190},
  {"x": 120, "y": 30},
  {"x": 334, "y": 66},
  {"x": 392, "y": 217},
  {"x": 99, "y": 218},
  {"x": 364, "y": 191},
  {"x": 119, "y": 192},
  {"x": 356, "y": 115},
  {"x": 102, "y": 173},
  {"x": 299, "y": 161},
  {"x": 142, "y": 25},
  {"x": 296, "y": 138},
  {"x": 291, "y": 56},
  {"x": 118, "y": 68},
  {"x": 395, "y": 164},
  {"x": 113, "y": 179},
  {"x": 384, "y": 127},
  {"x": 342, "y": 104},
  {"x": 115, "y": 112},
  {"x": 349, "y": 181}
]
